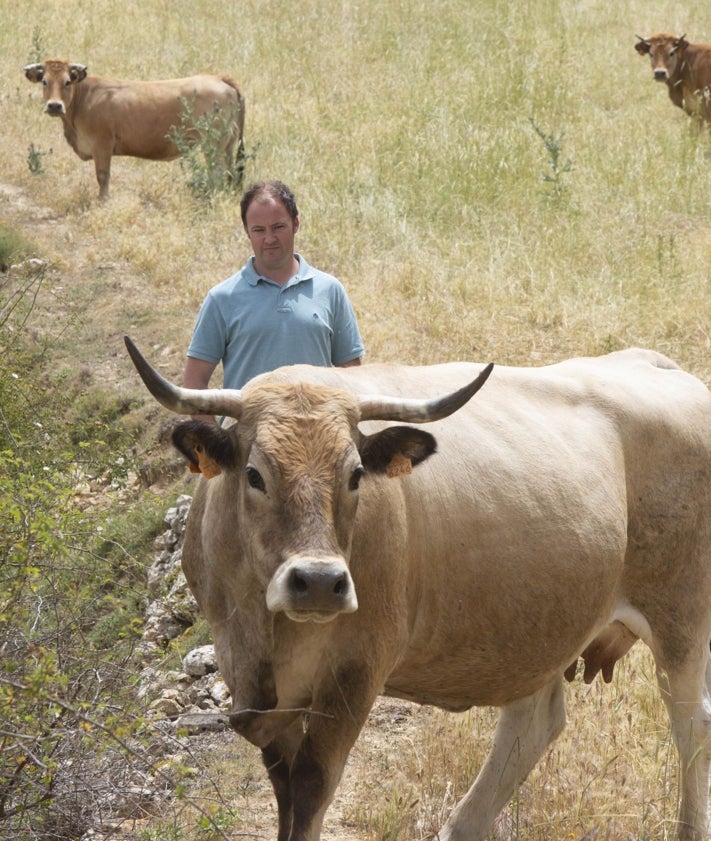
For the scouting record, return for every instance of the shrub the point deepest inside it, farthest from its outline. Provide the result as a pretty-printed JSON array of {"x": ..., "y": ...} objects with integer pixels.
[
  {"x": 66, "y": 624},
  {"x": 13, "y": 248},
  {"x": 203, "y": 159}
]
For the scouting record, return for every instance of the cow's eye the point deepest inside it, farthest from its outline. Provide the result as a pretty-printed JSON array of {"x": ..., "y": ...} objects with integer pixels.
[
  {"x": 356, "y": 476},
  {"x": 254, "y": 478}
]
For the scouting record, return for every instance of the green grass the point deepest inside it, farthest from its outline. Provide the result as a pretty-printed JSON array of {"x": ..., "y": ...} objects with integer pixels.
[{"x": 407, "y": 135}]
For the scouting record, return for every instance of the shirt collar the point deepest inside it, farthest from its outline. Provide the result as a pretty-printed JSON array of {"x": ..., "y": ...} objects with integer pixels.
[{"x": 305, "y": 273}]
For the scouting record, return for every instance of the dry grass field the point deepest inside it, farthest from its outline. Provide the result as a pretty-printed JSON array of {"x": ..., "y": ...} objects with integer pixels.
[{"x": 495, "y": 182}]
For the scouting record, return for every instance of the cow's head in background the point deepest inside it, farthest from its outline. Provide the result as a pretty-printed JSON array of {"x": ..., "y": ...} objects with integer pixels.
[
  {"x": 58, "y": 81},
  {"x": 666, "y": 52}
]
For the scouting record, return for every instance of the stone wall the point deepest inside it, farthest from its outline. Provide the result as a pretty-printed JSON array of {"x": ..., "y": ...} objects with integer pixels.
[{"x": 194, "y": 698}]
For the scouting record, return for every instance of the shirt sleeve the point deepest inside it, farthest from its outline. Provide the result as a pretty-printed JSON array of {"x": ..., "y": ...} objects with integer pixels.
[
  {"x": 347, "y": 342},
  {"x": 209, "y": 340}
]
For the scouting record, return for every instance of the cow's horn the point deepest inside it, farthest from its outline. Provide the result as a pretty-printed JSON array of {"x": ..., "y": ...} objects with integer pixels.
[
  {"x": 420, "y": 411},
  {"x": 185, "y": 401},
  {"x": 643, "y": 40}
]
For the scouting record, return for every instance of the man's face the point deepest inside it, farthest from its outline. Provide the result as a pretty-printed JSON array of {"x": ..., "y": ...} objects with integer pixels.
[{"x": 271, "y": 232}]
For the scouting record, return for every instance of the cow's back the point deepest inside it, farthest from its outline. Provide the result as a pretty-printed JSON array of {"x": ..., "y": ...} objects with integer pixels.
[{"x": 135, "y": 117}]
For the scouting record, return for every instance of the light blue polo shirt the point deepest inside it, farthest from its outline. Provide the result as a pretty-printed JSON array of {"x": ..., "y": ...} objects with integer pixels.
[{"x": 253, "y": 325}]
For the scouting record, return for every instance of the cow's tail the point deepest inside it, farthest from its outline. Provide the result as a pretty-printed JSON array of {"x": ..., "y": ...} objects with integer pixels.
[
  {"x": 238, "y": 125},
  {"x": 235, "y": 142}
]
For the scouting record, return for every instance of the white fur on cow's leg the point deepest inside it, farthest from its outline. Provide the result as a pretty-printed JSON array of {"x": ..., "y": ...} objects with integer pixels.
[
  {"x": 524, "y": 731},
  {"x": 686, "y": 692}
]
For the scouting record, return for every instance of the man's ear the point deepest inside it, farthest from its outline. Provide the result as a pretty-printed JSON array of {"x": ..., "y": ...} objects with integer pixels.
[
  {"x": 209, "y": 449},
  {"x": 396, "y": 450}
]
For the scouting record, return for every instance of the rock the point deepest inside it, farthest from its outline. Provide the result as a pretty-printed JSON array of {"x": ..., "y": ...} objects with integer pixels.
[
  {"x": 195, "y": 723},
  {"x": 200, "y": 661},
  {"x": 197, "y": 690}
]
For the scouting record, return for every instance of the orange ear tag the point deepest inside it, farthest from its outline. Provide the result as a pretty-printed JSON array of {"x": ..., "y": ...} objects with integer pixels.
[
  {"x": 206, "y": 465},
  {"x": 400, "y": 465}
]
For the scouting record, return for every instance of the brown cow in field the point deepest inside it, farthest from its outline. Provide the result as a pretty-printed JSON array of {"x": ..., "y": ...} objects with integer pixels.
[
  {"x": 685, "y": 67},
  {"x": 104, "y": 117},
  {"x": 338, "y": 554}
]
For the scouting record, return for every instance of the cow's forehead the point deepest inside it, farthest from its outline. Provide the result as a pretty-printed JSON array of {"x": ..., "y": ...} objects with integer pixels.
[
  {"x": 303, "y": 421},
  {"x": 662, "y": 40},
  {"x": 277, "y": 399},
  {"x": 55, "y": 68}
]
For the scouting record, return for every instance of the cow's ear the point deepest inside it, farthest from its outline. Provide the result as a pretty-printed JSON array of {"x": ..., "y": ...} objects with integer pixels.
[
  {"x": 396, "y": 450},
  {"x": 77, "y": 72},
  {"x": 208, "y": 448},
  {"x": 34, "y": 72}
]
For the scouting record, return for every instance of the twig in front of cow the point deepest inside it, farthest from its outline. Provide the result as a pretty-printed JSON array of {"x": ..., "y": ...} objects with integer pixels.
[{"x": 306, "y": 713}]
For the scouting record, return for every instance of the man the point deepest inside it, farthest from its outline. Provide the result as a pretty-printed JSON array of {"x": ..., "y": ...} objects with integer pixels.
[{"x": 277, "y": 310}]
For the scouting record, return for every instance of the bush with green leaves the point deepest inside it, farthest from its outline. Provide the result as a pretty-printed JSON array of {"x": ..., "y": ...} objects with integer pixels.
[
  {"x": 70, "y": 595},
  {"x": 14, "y": 246},
  {"x": 557, "y": 167},
  {"x": 201, "y": 143}
]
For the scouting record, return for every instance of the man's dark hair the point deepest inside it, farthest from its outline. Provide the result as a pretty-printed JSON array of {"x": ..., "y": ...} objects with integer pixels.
[{"x": 276, "y": 190}]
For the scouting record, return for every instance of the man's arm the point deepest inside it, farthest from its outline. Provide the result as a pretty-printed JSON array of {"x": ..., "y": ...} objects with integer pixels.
[
  {"x": 196, "y": 374},
  {"x": 350, "y": 363}
]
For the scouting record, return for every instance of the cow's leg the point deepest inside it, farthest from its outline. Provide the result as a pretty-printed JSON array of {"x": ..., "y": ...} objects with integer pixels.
[
  {"x": 102, "y": 167},
  {"x": 686, "y": 691},
  {"x": 524, "y": 731},
  {"x": 278, "y": 758},
  {"x": 318, "y": 764}
]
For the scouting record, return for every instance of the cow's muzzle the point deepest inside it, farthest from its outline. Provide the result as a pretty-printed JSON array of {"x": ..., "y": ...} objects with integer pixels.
[
  {"x": 55, "y": 108},
  {"x": 312, "y": 589},
  {"x": 661, "y": 75}
]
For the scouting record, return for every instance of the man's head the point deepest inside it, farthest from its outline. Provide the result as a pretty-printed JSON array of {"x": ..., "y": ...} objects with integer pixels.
[
  {"x": 262, "y": 190},
  {"x": 271, "y": 220}
]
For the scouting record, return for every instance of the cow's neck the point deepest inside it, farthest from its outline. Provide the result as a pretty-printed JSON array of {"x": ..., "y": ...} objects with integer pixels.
[{"x": 70, "y": 130}]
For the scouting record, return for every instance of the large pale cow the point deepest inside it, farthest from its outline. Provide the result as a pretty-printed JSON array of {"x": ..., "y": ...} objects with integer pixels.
[
  {"x": 338, "y": 554},
  {"x": 686, "y": 69},
  {"x": 104, "y": 117}
]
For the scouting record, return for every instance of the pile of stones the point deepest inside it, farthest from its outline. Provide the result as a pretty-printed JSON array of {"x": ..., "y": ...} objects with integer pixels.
[{"x": 195, "y": 698}]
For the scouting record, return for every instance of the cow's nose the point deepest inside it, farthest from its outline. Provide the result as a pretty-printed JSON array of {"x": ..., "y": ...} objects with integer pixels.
[
  {"x": 54, "y": 108},
  {"x": 317, "y": 586},
  {"x": 312, "y": 589},
  {"x": 660, "y": 75}
]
